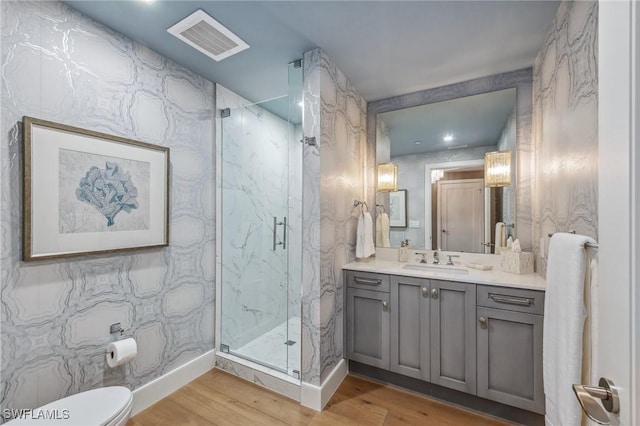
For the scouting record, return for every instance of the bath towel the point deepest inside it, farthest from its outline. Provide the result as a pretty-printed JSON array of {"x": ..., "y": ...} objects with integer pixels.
[
  {"x": 500, "y": 237},
  {"x": 364, "y": 236},
  {"x": 382, "y": 230},
  {"x": 564, "y": 317}
]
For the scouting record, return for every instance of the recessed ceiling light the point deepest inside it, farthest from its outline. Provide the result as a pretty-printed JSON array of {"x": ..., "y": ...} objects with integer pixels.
[
  {"x": 418, "y": 142},
  {"x": 148, "y": 1},
  {"x": 448, "y": 137}
]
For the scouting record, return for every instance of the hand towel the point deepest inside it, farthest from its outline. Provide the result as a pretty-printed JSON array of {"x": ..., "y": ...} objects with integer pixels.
[
  {"x": 364, "y": 236},
  {"x": 500, "y": 242},
  {"x": 564, "y": 315},
  {"x": 382, "y": 230}
]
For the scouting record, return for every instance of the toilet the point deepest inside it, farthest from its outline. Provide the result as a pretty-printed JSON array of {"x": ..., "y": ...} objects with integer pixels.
[{"x": 109, "y": 406}]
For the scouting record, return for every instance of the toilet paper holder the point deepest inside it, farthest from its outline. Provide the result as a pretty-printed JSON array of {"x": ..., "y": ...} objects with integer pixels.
[{"x": 116, "y": 328}]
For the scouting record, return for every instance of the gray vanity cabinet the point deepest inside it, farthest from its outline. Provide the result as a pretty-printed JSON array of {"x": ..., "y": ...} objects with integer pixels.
[
  {"x": 510, "y": 347},
  {"x": 433, "y": 333},
  {"x": 453, "y": 335},
  {"x": 367, "y": 326},
  {"x": 410, "y": 327}
]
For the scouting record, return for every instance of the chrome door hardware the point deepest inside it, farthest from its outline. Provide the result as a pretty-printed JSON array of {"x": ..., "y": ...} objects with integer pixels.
[
  {"x": 282, "y": 243},
  {"x": 425, "y": 292},
  {"x": 434, "y": 293},
  {"x": 366, "y": 281},
  {"x": 385, "y": 305},
  {"x": 510, "y": 300},
  {"x": 588, "y": 397},
  {"x": 483, "y": 322}
]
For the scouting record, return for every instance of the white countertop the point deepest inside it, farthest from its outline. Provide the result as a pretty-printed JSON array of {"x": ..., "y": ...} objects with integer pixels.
[{"x": 493, "y": 277}]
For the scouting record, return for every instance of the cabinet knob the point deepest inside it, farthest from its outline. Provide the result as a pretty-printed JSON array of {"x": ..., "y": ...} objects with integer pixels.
[
  {"x": 425, "y": 292},
  {"x": 483, "y": 322},
  {"x": 434, "y": 293},
  {"x": 385, "y": 305}
]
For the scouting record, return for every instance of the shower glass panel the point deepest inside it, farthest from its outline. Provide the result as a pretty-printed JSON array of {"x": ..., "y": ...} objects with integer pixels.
[{"x": 261, "y": 230}]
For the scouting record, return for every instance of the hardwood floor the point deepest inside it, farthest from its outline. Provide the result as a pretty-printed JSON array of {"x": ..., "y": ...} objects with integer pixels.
[{"x": 218, "y": 398}]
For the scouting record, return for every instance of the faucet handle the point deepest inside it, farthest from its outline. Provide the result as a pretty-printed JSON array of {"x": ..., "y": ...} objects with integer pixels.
[{"x": 450, "y": 262}]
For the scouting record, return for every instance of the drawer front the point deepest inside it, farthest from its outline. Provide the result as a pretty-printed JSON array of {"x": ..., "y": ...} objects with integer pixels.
[
  {"x": 511, "y": 299},
  {"x": 368, "y": 281}
]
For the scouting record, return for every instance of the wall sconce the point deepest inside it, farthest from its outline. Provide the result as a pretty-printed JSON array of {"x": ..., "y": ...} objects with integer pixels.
[
  {"x": 387, "y": 177},
  {"x": 497, "y": 169}
]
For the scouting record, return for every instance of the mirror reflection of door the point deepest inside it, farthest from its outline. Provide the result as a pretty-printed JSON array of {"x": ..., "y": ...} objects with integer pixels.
[{"x": 460, "y": 215}]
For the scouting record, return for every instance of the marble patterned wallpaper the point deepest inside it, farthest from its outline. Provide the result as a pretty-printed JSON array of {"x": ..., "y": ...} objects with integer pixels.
[
  {"x": 260, "y": 158},
  {"x": 334, "y": 175},
  {"x": 411, "y": 170},
  {"x": 565, "y": 126},
  {"x": 58, "y": 65},
  {"x": 522, "y": 80}
]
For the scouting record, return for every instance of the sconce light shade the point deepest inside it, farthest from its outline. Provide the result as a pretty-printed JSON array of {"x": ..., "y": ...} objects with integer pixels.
[
  {"x": 387, "y": 177},
  {"x": 497, "y": 168}
]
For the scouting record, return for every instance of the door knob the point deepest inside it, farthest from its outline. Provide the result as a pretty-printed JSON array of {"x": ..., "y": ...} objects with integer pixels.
[
  {"x": 425, "y": 292},
  {"x": 434, "y": 293},
  {"x": 588, "y": 397},
  {"x": 483, "y": 322},
  {"x": 385, "y": 305}
]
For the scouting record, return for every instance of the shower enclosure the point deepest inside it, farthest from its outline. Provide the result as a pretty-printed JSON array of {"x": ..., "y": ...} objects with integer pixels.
[{"x": 261, "y": 235}]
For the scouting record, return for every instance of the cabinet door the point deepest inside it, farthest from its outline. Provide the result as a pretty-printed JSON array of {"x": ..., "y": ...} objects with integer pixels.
[
  {"x": 368, "y": 327},
  {"x": 453, "y": 335},
  {"x": 510, "y": 358},
  {"x": 410, "y": 327}
]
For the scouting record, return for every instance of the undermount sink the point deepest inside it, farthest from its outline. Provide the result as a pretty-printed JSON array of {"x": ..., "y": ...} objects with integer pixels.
[{"x": 458, "y": 270}]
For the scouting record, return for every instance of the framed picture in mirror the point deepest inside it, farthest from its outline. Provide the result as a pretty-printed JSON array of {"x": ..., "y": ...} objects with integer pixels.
[{"x": 398, "y": 209}]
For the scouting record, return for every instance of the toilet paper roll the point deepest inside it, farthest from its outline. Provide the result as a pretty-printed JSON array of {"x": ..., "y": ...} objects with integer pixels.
[{"x": 121, "y": 352}]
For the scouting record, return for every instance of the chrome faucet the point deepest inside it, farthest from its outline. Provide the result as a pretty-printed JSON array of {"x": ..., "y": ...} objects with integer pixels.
[
  {"x": 450, "y": 262},
  {"x": 423, "y": 260},
  {"x": 436, "y": 257}
]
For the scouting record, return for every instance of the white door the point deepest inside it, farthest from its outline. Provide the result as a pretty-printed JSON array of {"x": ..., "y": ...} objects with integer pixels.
[
  {"x": 616, "y": 355},
  {"x": 460, "y": 209}
]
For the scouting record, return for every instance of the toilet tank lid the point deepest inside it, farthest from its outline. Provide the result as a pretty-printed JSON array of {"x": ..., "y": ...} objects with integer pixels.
[{"x": 94, "y": 407}]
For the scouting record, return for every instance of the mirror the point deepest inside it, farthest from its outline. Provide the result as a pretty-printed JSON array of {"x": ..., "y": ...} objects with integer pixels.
[{"x": 439, "y": 148}]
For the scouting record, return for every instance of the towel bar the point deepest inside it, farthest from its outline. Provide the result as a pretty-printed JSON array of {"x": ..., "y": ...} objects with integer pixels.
[{"x": 590, "y": 245}]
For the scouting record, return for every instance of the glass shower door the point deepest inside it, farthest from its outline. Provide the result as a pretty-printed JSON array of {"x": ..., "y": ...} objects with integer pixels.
[{"x": 261, "y": 235}]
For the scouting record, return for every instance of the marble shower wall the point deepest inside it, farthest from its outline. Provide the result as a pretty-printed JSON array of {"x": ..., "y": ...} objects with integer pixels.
[
  {"x": 334, "y": 175},
  {"x": 59, "y": 65},
  {"x": 260, "y": 157},
  {"x": 411, "y": 176},
  {"x": 520, "y": 79},
  {"x": 565, "y": 126}
]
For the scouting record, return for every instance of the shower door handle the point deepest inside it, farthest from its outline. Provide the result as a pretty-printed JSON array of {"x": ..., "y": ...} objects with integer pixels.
[
  {"x": 284, "y": 233},
  {"x": 282, "y": 243}
]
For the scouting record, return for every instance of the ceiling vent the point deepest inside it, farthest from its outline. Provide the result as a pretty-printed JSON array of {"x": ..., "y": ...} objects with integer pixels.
[{"x": 209, "y": 36}]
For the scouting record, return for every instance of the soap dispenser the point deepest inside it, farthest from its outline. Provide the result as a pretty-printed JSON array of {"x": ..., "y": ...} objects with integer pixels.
[{"x": 403, "y": 252}]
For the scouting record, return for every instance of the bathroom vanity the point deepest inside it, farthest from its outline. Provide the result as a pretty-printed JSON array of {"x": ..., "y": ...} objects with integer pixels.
[{"x": 476, "y": 332}]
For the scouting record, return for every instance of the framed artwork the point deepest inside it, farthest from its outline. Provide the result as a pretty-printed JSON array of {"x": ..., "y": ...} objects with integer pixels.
[
  {"x": 398, "y": 209},
  {"x": 86, "y": 192}
]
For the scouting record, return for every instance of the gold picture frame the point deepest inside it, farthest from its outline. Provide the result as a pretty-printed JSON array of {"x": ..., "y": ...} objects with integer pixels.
[{"x": 86, "y": 192}]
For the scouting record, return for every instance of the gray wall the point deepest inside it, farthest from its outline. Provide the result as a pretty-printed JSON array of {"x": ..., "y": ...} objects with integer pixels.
[
  {"x": 333, "y": 176},
  {"x": 60, "y": 66},
  {"x": 565, "y": 126}
]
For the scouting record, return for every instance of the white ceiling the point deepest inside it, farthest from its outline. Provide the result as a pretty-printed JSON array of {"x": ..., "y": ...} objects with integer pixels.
[{"x": 385, "y": 48}]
